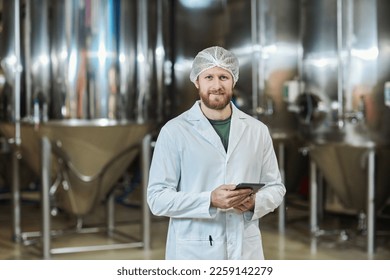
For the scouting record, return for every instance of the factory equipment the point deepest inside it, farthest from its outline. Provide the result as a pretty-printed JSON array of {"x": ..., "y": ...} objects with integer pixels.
[
  {"x": 87, "y": 84},
  {"x": 315, "y": 71},
  {"x": 341, "y": 109}
]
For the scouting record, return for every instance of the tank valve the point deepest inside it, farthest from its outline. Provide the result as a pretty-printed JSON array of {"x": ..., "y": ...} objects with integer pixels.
[
  {"x": 268, "y": 110},
  {"x": 358, "y": 115},
  {"x": 362, "y": 222}
]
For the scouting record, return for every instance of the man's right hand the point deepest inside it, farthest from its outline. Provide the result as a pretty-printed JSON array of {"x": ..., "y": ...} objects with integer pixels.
[{"x": 225, "y": 196}]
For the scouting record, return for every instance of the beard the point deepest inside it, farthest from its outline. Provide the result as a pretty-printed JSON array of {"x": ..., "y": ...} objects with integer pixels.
[{"x": 216, "y": 100}]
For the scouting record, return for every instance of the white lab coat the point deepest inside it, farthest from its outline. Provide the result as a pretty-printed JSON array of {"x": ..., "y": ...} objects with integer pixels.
[{"x": 189, "y": 161}]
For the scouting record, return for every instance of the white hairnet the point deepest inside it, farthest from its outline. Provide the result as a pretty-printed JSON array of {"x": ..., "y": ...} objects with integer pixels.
[{"x": 214, "y": 57}]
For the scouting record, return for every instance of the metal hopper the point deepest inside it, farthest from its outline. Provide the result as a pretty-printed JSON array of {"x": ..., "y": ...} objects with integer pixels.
[
  {"x": 91, "y": 156},
  {"x": 345, "y": 169},
  {"x": 88, "y": 157}
]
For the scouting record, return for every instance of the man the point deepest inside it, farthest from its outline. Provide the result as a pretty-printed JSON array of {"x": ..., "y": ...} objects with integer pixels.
[{"x": 200, "y": 157}]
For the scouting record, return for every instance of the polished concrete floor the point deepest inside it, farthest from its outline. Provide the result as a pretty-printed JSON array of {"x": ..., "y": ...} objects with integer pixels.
[{"x": 294, "y": 244}]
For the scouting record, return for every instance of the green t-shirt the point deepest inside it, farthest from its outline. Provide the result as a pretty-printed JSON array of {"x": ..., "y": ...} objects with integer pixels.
[{"x": 222, "y": 128}]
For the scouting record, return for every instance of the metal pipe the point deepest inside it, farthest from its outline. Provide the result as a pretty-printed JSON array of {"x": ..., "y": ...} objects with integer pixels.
[
  {"x": 340, "y": 68},
  {"x": 258, "y": 34},
  {"x": 160, "y": 57},
  {"x": 18, "y": 70},
  {"x": 146, "y": 158},
  {"x": 262, "y": 43},
  {"x": 45, "y": 196},
  {"x": 300, "y": 57},
  {"x": 255, "y": 55},
  {"x": 349, "y": 41},
  {"x": 282, "y": 206},
  {"x": 27, "y": 50},
  {"x": 142, "y": 60}
]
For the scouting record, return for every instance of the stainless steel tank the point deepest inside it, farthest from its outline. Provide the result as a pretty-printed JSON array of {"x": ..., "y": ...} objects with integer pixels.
[
  {"x": 313, "y": 71},
  {"x": 94, "y": 86},
  {"x": 343, "y": 113},
  {"x": 276, "y": 60}
]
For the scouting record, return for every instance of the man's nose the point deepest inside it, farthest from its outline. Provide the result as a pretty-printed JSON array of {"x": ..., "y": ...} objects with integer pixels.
[{"x": 217, "y": 84}]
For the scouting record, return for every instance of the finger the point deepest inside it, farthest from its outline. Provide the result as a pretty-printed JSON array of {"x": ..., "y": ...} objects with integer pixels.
[
  {"x": 242, "y": 191},
  {"x": 248, "y": 202},
  {"x": 240, "y": 208},
  {"x": 229, "y": 187},
  {"x": 239, "y": 200},
  {"x": 245, "y": 199}
]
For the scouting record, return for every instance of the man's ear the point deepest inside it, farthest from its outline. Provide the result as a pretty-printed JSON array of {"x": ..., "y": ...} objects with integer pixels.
[{"x": 196, "y": 84}]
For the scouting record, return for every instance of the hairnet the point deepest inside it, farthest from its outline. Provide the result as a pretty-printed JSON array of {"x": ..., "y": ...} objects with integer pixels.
[{"x": 214, "y": 57}]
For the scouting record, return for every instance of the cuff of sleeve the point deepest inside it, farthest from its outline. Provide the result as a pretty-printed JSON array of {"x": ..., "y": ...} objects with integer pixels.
[
  {"x": 248, "y": 215},
  {"x": 212, "y": 211}
]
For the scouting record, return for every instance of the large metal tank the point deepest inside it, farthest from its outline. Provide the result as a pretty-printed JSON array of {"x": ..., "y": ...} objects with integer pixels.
[
  {"x": 94, "y": 86},
  {"x": 334, "y": 52},
  {"x": 342, "y": 111},
  {"x": 276, "y": 62}
]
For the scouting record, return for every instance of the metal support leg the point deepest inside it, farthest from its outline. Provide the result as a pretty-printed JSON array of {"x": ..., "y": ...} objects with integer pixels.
[
  {"x": 17, "y": 231},
  {"x": 313, "y": 207},
  {"x": 46, "y": 168},
  {"x": 320, "y": 196},
  {"x": 371, "y": 203},
  {"x": 111, "y": 214},
  {"x": 17, "y": 139},
  {"x": 313, "y": 199},
  {"x": 146, "y": 158},
  {"x": 282, "y": 206}
]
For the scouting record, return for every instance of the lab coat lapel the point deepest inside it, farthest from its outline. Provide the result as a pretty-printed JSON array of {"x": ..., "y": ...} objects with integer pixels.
[
  {"x": 237, "y": 129},
  {"x": 204, "y": 128}
]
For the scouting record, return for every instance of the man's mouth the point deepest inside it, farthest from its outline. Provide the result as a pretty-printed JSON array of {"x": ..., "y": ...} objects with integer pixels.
[{"x": 216, "y": 93}]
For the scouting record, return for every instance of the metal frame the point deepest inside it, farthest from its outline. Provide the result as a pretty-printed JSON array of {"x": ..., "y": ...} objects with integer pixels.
[
  {"x": 47, "y": 233},
  {"x": 314, "y": 202}
]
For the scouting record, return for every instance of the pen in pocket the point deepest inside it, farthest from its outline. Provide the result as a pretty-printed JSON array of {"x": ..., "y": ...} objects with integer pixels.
[{"x": 211, "y": 240}]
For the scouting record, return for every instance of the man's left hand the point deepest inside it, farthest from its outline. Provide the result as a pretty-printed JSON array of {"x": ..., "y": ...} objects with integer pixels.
[{"x": 247, "y": 204}]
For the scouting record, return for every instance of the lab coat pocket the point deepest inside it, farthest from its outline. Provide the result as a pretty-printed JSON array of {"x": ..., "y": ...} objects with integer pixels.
[
  {"x": 252, "y": 243},
  {"x": 203, "y": 249}
]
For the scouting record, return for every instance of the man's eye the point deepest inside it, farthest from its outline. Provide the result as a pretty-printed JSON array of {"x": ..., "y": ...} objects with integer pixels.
[{"x": 224, "y": 78}]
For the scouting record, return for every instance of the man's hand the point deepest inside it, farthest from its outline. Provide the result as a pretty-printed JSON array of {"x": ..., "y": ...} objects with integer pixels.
[
  {"x": 225, "y": 197},
  {"x": 248, "y": 204}
]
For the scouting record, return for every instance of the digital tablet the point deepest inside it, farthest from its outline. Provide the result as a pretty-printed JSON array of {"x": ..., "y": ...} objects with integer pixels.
[{"x": 254, "y": 186}]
